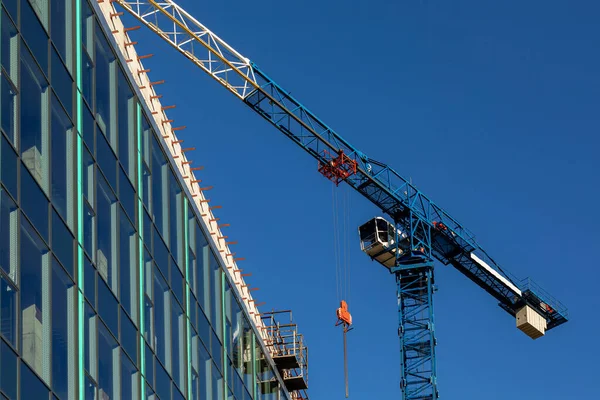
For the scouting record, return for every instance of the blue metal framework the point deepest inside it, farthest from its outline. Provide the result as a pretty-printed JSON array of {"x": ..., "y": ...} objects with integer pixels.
[
  {"x": 414, "y": 279},
  {"x": 412, "y": 211}
]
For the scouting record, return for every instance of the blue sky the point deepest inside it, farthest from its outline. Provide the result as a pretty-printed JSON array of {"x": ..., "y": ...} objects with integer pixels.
[{"x": 490, "y": 107}]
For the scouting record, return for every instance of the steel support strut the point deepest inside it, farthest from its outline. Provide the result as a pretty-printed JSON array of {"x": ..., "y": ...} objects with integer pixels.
[
  {"x": 414, "y": 279},
  {"x": 415, "y": 287}
]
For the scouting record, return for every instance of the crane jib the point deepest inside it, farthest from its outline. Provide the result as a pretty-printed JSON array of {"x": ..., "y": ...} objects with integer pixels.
[{"x": 285, "y": 113}]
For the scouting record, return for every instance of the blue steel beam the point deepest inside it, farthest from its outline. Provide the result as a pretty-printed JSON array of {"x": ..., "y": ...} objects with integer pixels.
[{"x": 416, "y": 330}]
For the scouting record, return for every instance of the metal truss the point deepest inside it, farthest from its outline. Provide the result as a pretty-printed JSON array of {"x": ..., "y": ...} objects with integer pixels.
[
  {"x": 414, "y": 279},
  {"x": 195, "y": 41}
]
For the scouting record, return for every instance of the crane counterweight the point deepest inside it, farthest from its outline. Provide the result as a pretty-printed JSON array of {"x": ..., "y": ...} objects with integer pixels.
[{"x": 531, "y": 322}]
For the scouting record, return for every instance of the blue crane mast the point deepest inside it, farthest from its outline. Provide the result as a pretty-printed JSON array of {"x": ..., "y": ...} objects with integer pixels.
[{"x": 420, "y": 231}]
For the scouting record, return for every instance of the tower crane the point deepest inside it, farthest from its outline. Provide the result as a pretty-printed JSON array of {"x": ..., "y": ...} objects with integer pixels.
[{"x": 417, "y": 231}]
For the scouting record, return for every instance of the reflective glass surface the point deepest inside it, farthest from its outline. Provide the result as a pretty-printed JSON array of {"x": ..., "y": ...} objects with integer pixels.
[{"x": 92, "y": 203}]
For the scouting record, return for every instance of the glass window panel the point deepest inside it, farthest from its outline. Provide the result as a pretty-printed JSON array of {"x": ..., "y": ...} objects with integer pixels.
[
  {"x": 176, "y": 218},
  {"x": 87, "y": 78},
  {"x": 8, "y": 108},
  {"x": 149, "y": 365},
  {"x": 238, "y": 338},
  {"x": 216, "y": 350},
  {"x": 128, "y": 336},
  {"x": 147, "y": 140},
  {"x": 88, "y": 175},
  {"x": 8, "y": 167},
  {"x": 35, "y": 297},
  {"x": 203, "y": 254},
  {"x": 34, "y": 119},
  {"x": 106, "y": 86},
  {"x": 230, "y": 378},
  {"x": 204, "y": 329},
  {"x": 146, "y": 184},
  {"x": 88, "y": 129},
  {"x": 195, "y": 386},
  {"x": 265, "y": 374},
  {"x": 62, "y": 243},
  {"x": 177, "y": 284},
  {"x": 108, "y": 361},
  {"x": 217, "y": 384},
  {"x": 195, "y": 342},
  {"x": 33, "y": 31},
  {"x": 128, "y": 266},
  {"x": 192, "y": 266},
  {"x": 8, "y": 311},
  {"x": 62, "y": 83},
  {"x": 62, "y": 28},
  {"x": 127, "y": 194},
  {"x": 193, "y": 272},
  {"x": 148, "y": 297},
  {"x": 160, "y": 199},
  {"x": 177, "y": 395},
  {"x": 87, "y": 26},
  {"x": 215, "y": 291},
  {"x": 129, "y": 379},
  {"x": 238, "y": 386},
  {"x": 179, "y": 344},
  {"x": 89, "y": 274},
  {"x": 191, "y": 225},
  {"x": 161, "y": 318},
  {"x": 91, "y": 341},
  {"x": 89, "y": 229},
  {"x": 107, "y": 161},
  {"x": 150, "y": 395},
  {"x": 108, "y": 307},
  {"x": 41, "y": 8},
  {"x": 10, "y": 40},
  {"x": 31, "y": 386},
  {"x": 8, "y": 235},
  {"x": 247, "y": 352},
  {"x": 227, "y": 337},
  {"x": 90, "y": 389},
  {"x": 12, "y": 6},
  {"x": 163, "y": 383},
  {"x": 106, "y": 257},
  {"x": 148, "y": 231},
  {"x": 161, "y": 254},
  {"x": 8, "y": 365},
  {"x": 63, "y": 331},
  {"x": 62, "y": 162},
  {"x": 33, "y": 202},
  {"x": 205, "y": 374},
  {"x": 194, "y": 308},
  {"x": 127, "y": 137}
]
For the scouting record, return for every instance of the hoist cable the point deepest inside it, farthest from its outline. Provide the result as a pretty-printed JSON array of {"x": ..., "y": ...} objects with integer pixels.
[{"x": 335, "y": 242}]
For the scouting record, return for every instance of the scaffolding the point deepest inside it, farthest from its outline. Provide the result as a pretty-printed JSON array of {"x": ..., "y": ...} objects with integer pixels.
[{"x": 288, "y": 351}]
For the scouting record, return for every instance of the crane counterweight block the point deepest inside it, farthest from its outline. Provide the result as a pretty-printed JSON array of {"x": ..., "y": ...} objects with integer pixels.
[{"x": 337, "y": 168}]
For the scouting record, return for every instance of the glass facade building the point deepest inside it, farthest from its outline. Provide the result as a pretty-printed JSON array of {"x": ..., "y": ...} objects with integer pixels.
[{"x": 110, "y": 286}]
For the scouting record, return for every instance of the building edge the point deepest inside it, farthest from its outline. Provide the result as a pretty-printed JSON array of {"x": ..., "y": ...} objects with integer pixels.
[{"x": 114, "y": 29}]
